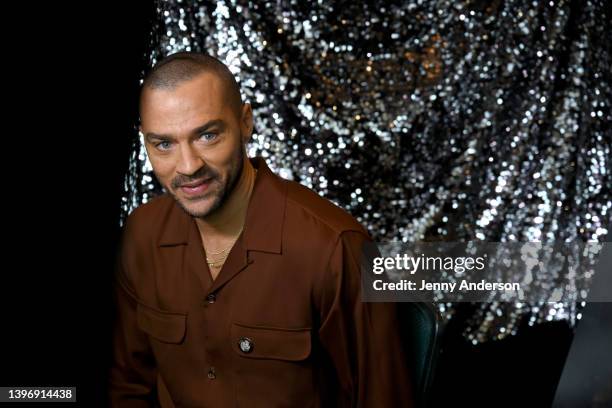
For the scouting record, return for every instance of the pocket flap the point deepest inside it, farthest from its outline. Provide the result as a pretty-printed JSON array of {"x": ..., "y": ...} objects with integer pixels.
[
  {"x": 167, "y": 327},
  {"x": 271, "y": 342}
]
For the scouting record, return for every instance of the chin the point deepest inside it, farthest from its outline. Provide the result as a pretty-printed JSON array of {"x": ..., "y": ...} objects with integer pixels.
[
  {"x": 200, "y": 207},
  {"x": 197, "y": 208}
]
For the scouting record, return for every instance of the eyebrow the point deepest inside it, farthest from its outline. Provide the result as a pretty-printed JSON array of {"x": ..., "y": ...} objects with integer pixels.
[{"x": 210, "y": 124}]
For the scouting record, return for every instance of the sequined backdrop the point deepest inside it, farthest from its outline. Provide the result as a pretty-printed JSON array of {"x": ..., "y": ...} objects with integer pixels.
[{"x": 437, "y": 120}]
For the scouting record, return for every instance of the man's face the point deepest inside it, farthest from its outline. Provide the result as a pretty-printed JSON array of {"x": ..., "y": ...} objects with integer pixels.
[{"x": 195, "y": 142}]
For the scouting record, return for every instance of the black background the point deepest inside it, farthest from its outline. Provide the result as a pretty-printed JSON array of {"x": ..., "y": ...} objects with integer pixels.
[{"x": 71, "y": 105}]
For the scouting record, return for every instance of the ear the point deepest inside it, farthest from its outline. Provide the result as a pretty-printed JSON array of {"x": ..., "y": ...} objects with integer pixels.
[{"x": 246, "y": 122}]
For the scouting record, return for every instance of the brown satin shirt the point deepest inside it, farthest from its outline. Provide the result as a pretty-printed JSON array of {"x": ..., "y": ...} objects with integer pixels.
[{"x": 283, "y": 324}]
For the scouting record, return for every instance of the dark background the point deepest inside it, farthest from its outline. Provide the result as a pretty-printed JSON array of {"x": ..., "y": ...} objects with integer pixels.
[
  {"x": 70, "y": 103},
  {"x": 72, "y": 113},
  {"x": 521, "y": 370}
]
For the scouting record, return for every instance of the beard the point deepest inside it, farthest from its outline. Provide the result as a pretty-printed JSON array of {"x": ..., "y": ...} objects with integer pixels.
[{"x": 221, "y": 194}]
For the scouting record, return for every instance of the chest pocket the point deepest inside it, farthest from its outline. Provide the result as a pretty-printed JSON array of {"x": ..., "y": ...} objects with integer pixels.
[
  {"x": 273, "y": 343},
  {"x": 167, "y": 327}
]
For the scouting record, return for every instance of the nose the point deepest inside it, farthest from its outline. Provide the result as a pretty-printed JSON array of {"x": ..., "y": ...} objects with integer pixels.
[{"x": 189, "y": 160}]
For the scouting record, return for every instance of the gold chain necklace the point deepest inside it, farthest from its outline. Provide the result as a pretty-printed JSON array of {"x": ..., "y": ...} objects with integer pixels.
[{"x": 216, "y": 263}]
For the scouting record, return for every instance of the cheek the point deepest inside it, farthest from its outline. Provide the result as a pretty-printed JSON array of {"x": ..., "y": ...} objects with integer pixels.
[
  {"x": 162, "y": 167},
  {"x": 223, "y": 156}
]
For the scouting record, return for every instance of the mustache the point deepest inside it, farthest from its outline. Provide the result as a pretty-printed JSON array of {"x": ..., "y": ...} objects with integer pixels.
[{"x": 199, "y": 175}]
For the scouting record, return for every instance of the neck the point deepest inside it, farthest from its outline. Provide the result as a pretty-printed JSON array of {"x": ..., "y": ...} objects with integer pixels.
[{"x": 228, "y": 219}]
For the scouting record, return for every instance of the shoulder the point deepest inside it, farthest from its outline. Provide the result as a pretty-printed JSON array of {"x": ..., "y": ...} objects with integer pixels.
[
  {"x": 148, "y": 219},
  {"x": 319, "y": 211},
  {"x": 140, "y": 234},
  {"x": 148, "y": 216}
]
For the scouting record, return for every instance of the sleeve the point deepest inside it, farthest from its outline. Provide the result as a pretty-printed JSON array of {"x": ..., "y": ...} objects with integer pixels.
[
  {"x": 133, "y": 372},
  {"x": 362, "y": 339}
]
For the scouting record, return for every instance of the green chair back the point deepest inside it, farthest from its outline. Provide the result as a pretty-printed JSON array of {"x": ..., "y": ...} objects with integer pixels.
[{"x": 421, "y": 326}]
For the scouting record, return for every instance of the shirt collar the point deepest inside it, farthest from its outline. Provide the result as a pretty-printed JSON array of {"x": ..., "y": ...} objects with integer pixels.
[{"x": 264, "y": 219}]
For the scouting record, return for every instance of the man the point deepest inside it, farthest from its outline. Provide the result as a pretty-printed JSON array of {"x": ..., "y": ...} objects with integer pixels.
[{"x": 237, "y": 287}]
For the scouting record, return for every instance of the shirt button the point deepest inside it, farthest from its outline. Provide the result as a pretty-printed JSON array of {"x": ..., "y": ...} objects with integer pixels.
[
  {"x": 211, "y": 298},
  {"x": 211, "y": 373},
  {"x": 246, "y": 345}
]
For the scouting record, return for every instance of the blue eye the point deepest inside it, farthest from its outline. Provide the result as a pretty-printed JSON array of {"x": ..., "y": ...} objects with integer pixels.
[
  {"x": 165, "y": 145},
  {"x": 207, "y": 137}
]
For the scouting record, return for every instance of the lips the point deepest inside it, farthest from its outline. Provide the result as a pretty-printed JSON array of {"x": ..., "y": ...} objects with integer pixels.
[
  {"x": 196, "y": 187},
  {"x": 195, "y": 183}
]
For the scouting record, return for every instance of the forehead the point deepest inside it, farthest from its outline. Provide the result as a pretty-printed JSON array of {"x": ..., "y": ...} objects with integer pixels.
[{"x": 196, "y": 99}]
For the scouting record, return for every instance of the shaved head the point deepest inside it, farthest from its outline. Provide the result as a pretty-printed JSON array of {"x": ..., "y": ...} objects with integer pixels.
[{"x": 180, "y": 67}]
